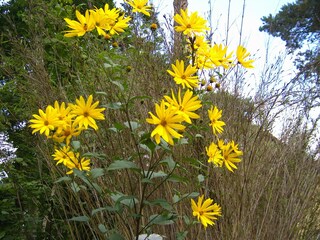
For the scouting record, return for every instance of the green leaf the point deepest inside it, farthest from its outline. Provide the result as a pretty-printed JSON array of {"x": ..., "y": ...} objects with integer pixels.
[
  {"x": 152, "y": 175},
  {"x": 80, "y": 174},
  {"x": 95, "y": 155},
  {"x": 122, "y": 164},
  {"x": 117, "y": 127},
  {"x": 146, "y": 143},
  {"x": 161, "y": 202},
  {"x": 183, "y": 141},
  {"x": 134, "y": 125},
  {"x": 96, "y": 172},
  {"x": 147, "y": 180},
  {"x": 169, "y": 160},
  {"x": 102, "y": 228},
  {"x": 178, "y": 179},
  {"x": 80, "y": 219},
  {"x": 76, "y": 145},
  {"x": 182, "y": 235},
  {"x": 199, "y": 136},
  {"x": 96, "y": 187},
  {"x": 63, "y": 179},
  {"x": 200, "y": 178},
  {"x": 187, "y": 220},
  {"x": 2, "y": 235},
  {"x": 102, "y": 93},
  {"x": 191, "y": 195},
  {"x": 74, "y": 186},
  {"x": 119, "y": 85},
  {"x": 97, "y": 210},
  {"x": 127, "y": 200},
  {"x": 175, "y": 198},
  {"x": 163, "y": 219},
  {"x": 115, "y": 236},
  {"x": 115, "y": 105}
]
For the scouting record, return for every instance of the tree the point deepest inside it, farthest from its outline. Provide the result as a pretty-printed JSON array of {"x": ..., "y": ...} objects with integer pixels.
[{"x": 298, "y": 24}]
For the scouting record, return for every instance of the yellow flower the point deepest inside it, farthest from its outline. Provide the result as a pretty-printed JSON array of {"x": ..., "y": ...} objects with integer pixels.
[
  {"x": 108, "y": 20},
  {"x": 120, "y": 25},
  {"x": 190, "y": 24},
  {"x": 63, "y": 155},
  {"x": 67, "y": 132},
  {"x": 214, "y": 154},
  {"x": 200, "y": 42},
  {"x": 110, "y": 17},
  {"x": 87, "y": 112},
  {"x": 62, "y": 110},
  {"x": 203, "y": 56},
  {"x": 185, "y": 106},
  {"x": 215, "y": 123},
  {"x": 101, "y": 21},
  {"x": 139, "y": 6},
  {"x": 206, "y": 212},
  {"x": 167, "y": 121},
  {"x": 219, "y": 56},
  {"x": 183, "y": 76},
  {"x": 63, "y": 114},
  {"x": 86, "y": 24},
  {"x": 82, "y": 164},
  {"x": 45, "y": 121},
  {"x": 231, "y": 154},
  {"x": 241, "y": 55}
]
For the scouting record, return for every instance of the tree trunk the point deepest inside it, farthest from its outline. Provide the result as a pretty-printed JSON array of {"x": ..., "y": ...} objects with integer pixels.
[{"x": 178, "y": 45}]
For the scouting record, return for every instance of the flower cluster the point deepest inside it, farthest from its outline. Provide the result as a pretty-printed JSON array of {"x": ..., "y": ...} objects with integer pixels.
[
  {"x": 60, "y": 123},
  {"x": 171, "y": 113},
  {"x": 105, "y": 20},
  {"x": 175, "y": 111},
  {"x": 204, "y": 55}
]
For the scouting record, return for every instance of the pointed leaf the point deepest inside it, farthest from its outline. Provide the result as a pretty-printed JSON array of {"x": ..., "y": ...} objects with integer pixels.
[
  {"x": 80, "y": 219},
  {"x": 96, "y": 172},
  {"x": 122, "y": 164}
]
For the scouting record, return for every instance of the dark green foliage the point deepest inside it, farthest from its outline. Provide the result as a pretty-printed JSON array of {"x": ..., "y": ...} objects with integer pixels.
[
  {"x": 295, "y": 23},
  {"x": 298, "y": 24}
]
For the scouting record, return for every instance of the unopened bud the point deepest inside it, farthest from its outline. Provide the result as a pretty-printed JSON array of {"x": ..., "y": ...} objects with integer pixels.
[
  {"x": 213, "y": 79},
  {"x": 107, "y": 37},
  {"x": 209, "y": 88},
  {"x": 129, "y": 68},
  {"x": 153, "y": 26}
]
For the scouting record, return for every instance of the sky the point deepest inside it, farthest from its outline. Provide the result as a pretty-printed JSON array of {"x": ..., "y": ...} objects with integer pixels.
[
  {"x": 255, "y": 41},
  {"x": 263, "y": 47}
]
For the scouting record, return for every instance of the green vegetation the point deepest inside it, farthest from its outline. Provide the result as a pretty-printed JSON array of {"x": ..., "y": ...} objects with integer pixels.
[{"x": 136, "y": 185}]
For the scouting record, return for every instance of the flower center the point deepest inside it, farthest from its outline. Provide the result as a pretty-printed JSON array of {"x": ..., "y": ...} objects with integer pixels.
[
  {"x": 86, "y": 114},
  {"x": 85, "y": 27},
  {"x": 184, "y": 77},
  {"x": 188, "y": 25},
  {"x": 46, "y": 123},
  {"x": 163, "y": 122},
  {"x": 67, "y": 133}
]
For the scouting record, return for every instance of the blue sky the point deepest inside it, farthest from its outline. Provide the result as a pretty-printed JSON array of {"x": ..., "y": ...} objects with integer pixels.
[{"x": 264, "y": 48}]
